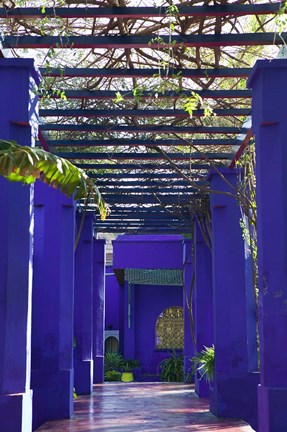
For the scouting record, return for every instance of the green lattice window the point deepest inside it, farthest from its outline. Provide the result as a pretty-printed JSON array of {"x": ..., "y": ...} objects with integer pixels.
[{"x": 169, "y": 329}]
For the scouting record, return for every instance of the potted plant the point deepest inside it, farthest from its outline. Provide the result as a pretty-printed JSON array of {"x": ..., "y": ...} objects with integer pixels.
[
  {"x": 127, "y": 370},
  {"x": 127, "y": 374}
]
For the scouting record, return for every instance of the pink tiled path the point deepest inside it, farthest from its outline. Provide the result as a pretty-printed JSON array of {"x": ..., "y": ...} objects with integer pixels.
[{"x": 149, "y": 407}]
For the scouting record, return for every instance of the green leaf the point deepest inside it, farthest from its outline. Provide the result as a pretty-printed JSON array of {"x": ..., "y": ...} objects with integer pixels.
[{"x": 26, "y": 164}]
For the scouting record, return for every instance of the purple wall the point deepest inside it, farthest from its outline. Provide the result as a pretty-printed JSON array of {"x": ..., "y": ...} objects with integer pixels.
[
  {"x": 148, "y": 252},
  {"x": 137, "y": 333},
  {"x": 149, "y": 302}
]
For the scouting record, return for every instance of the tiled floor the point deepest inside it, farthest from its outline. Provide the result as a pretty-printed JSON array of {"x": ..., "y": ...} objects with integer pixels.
[{"x": 149, "y": 407}]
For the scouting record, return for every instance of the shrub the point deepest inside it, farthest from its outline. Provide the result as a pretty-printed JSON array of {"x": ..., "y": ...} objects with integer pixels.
[
  {"x": 131, "y": 363},
  {"x": 203, "y": 362},
  {"x": 113, "y": 361},
  {"x": 112, "y": 375},
  {"x": 171, "y": 369}
]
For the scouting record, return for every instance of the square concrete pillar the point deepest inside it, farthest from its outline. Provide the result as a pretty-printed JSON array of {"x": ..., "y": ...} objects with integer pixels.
[
  {"x": 98, "y": 309},
  {"x": 188, "y": 302},
  {"x": 83, "y": 310},
  {"x": 203, "y": 302},
  {"x": 234, "y": 391},
  {"x": 269, "y": 90},
  {"x": 53, "y": 302},
  {"x": 18, "y": 121}
]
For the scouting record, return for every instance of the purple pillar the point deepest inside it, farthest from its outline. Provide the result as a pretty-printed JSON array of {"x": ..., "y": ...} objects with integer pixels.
[
  {"x": 98, "y": 309},
  {"x": 83, "y": 310},
  {"x": 203, "y": 302},
  {"x": 52, "y": 313},
  {"x": 129, "y": 320},
  {"x": 188, "y": 294},
  {"x": 234, "y": 386},
  {"x": 17, "y": 122},
  {"x": 269, "y": 89}
]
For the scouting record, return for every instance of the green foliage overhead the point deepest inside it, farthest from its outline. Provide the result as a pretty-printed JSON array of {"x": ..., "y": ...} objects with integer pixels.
[{"x": 26, "y": 164}]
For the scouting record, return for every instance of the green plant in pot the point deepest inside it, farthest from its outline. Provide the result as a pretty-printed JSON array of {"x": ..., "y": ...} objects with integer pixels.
[
  {"x": 171, "y": 369},
  {"x": 127, "y": 374},
  {"x": 203, "y": 363}
]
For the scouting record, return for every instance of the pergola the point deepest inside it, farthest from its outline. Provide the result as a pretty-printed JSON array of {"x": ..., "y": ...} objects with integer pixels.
[
  {"x": 145, "y": 98},
  {"x": 151, "y": 101}
]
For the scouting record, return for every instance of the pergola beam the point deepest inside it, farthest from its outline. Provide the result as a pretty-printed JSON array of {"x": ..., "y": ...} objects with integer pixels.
[
  {"x": 109, "y": 94},
  {"x": 144, "y": 128},
  {"x": 146, "y": 41},
  {"x": 148, "y": 210},
  {"x": 139, "y": 142},
  {"x": 141, "y": 175},
  {"x": 136, "y": 167},
  {"x": 150, "y": 183},
  {"x": 145, "y": 156},
  {"x": 145, "y": 73},
  {"x": 142, "y": 230},
  {"x": 140, "y": 12},
  {"x": 180, "y": 199},
  {"x": 169, "y": 190},
  {"x": 145, "y": 217},
  {"x": 148, "y": 113}
]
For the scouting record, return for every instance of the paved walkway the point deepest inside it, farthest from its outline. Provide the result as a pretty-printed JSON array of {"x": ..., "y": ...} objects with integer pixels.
[{"x": 149, "y": 407}]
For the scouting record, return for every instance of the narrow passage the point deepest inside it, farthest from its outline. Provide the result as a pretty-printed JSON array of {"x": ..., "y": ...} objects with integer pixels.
[{"x": 149, "y": 407}]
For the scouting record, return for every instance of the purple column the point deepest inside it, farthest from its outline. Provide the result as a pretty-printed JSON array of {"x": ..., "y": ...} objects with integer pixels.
[
  {"x": 83, "y": 310},
  {"x": 98, "y": 309},
  {"x": 188, "y": 280},
  {"x": 52, "y": 314},
  {"x": 129, "y": 320},
  {"x": 203, "y": 302},
  {"x": 17, "y": 113},
  {"x": 269, "y": 89},
  {"x": 234, "y": 386}
]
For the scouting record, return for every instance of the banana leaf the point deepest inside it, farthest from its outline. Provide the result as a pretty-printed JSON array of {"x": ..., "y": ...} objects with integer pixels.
[{"x": 26, "y": 164}]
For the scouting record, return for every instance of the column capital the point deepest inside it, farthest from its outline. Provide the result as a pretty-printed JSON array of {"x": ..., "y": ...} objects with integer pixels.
[
  {"x": 22, "y": 63},
  {"x": 269, "y": 89}
]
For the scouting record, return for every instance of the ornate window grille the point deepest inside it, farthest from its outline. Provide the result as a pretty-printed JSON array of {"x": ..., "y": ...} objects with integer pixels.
[{"x": 169, "y": 329}]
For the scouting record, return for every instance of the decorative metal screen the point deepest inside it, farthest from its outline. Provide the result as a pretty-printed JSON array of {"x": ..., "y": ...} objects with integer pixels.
[
  {"x": 169, "y": 329},
  {"x": 168, "y": 277}
]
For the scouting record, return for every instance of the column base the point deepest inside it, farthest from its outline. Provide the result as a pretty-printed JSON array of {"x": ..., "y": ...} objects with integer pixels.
[
  {"x": 272, "y": 413},
  {"x": 98, "y": 369},
  {"x": 235, "y": 397},
  {"x": 52, "y": 395},
  {"x": 16, "y": 412},
  {"x": 202, "y": 387},
  {"x": 83, "y": 371},
  {"x": 187, "y": 370}
]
